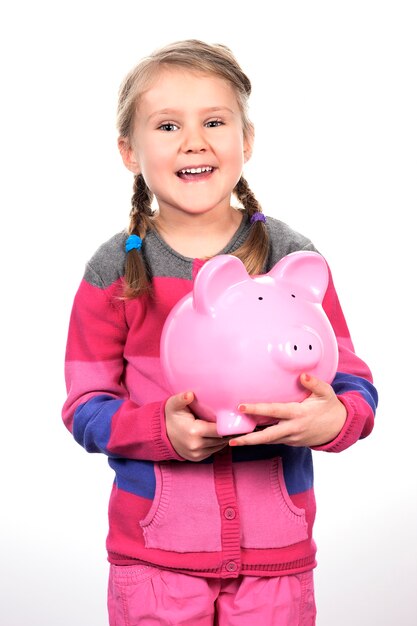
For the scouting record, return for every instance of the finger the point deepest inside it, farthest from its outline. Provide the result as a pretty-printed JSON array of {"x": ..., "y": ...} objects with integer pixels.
[
  {"x": 271, "y": 434},
  {"x": 205, "y": 429},
  {"x": 203, "y": 451},
  {"x": 216, "y": 448},
  {"x": 209, "y": 430},
  {"x": 276, "y": 410},
  {"x": 207, "y": 444},
  {"x": 214, "y": 440},
  {"x": 315, "y": 385},
  {"x": 180, "y": 401}
]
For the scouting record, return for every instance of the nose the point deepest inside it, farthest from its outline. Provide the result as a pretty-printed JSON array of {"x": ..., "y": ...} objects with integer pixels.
[
  {"x": 302, "y": 349},
  {"x": 194, "y": 140}
]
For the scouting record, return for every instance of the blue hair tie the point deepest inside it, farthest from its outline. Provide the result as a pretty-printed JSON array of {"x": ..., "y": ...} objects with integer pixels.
[
  {"x": 257, "y": 217},
  {"x": 133, "y": 242}
]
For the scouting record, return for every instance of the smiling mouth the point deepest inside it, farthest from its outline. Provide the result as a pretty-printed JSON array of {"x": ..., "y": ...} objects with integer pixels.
[{"x": 192, "y": 173}]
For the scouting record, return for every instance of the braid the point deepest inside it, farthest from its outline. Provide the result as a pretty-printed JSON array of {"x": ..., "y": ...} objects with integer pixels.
[
  {"x": 141, "y": 207},
  {"x": 136, "y": 275},
  {"x": 254, "y": 251},
  {"x": 246, "y": 196}
]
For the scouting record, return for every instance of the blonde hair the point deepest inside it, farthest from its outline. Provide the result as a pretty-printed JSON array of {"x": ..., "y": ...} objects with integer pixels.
[{"x": 197, "y": 56}]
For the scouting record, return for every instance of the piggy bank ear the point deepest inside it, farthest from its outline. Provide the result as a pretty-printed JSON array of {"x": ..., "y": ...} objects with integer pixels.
[
  {"x": 306, "y": 271},
  {"x": 216, "y": 275}
]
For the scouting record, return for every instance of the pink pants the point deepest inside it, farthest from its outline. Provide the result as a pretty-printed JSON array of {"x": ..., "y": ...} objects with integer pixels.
[{"x": 146, "y": 596}]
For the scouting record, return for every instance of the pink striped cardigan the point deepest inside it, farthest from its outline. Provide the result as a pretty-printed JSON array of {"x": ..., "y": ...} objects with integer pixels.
[{"x": 248, "y": 510}]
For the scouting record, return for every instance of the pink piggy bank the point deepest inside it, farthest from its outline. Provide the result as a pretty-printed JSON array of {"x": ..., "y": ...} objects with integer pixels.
[{"x": 237, "y": 338}]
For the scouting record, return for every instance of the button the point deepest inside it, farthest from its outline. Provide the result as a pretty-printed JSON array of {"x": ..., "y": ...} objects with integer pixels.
[
  {"x": 229, "y": 513},
  {"x": 231, "y": 566}
]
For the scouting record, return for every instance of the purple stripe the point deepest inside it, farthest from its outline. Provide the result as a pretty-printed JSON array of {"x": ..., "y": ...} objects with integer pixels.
[
  {"x": 344, "y": 383},
  {"x": 92, "y": 422}
]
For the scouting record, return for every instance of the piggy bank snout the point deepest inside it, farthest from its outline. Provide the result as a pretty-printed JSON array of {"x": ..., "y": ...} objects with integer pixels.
[{"x": 301, "y": 349}]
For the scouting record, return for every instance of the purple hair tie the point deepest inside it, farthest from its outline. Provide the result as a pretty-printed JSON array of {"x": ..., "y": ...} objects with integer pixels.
[{"x": 257, "y": 217}]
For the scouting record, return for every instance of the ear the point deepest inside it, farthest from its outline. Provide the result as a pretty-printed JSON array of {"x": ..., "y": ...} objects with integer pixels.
[
  {"x": 305, "y": 271},
  {"x": 248, "y": 139},
  {"x": 216, "y": 275},
  {"x": 128, "y": 155}
]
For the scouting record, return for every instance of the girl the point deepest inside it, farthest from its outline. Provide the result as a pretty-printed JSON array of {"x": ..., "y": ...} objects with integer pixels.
[{"x": 203, "y": 529}]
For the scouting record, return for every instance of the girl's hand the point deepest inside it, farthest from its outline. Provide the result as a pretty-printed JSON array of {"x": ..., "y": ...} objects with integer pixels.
[
  {"x": 315, "y": 421},
  {"x": 191, "y": 438}
]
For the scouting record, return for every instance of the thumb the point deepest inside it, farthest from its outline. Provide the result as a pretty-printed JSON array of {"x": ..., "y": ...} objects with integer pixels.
[
  {"x": 181, "y": 400},
  {"x": 314, "y": 385}
]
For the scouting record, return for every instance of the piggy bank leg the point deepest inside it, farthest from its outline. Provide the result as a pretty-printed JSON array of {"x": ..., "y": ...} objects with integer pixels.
[{"x": 234, "y": 423}]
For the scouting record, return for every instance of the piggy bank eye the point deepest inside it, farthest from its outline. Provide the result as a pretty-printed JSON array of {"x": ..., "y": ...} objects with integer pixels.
[
  {"x": 260, "y": 298},
  {"x": 292, "y": 295}
]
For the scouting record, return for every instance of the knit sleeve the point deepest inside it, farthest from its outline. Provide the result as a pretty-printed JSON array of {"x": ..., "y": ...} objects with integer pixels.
[
  {"x": 98, "y": 410},
  {"x": 353, "y": 382}
]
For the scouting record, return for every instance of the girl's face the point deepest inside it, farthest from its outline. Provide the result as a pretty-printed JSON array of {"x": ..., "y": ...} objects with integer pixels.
[{"x": 188, "y": 142}]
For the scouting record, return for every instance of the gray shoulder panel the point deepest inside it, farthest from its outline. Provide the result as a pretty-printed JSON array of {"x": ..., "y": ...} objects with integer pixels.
[
  {"x": 108, "y": 262},
  {"x": 283, "y": 241}
]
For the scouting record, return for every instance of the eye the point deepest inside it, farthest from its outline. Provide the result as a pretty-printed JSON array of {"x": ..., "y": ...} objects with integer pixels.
[
  {"x": 214, "y": 123},
  {"x": 292, "y": 295},
  {"x": 260, "y": 298},
  {"x": 168, "y": 127}
]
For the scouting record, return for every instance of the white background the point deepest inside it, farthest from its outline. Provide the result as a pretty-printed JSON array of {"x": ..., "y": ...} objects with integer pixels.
[{"x": 334, "y": 105}]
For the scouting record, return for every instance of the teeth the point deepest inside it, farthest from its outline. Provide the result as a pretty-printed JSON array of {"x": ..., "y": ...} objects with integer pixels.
[{"x": 196, "y": 170}]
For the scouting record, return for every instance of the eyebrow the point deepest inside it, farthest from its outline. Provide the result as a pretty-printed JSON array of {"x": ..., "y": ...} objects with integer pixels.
[{"x": 178, "y": 111}]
